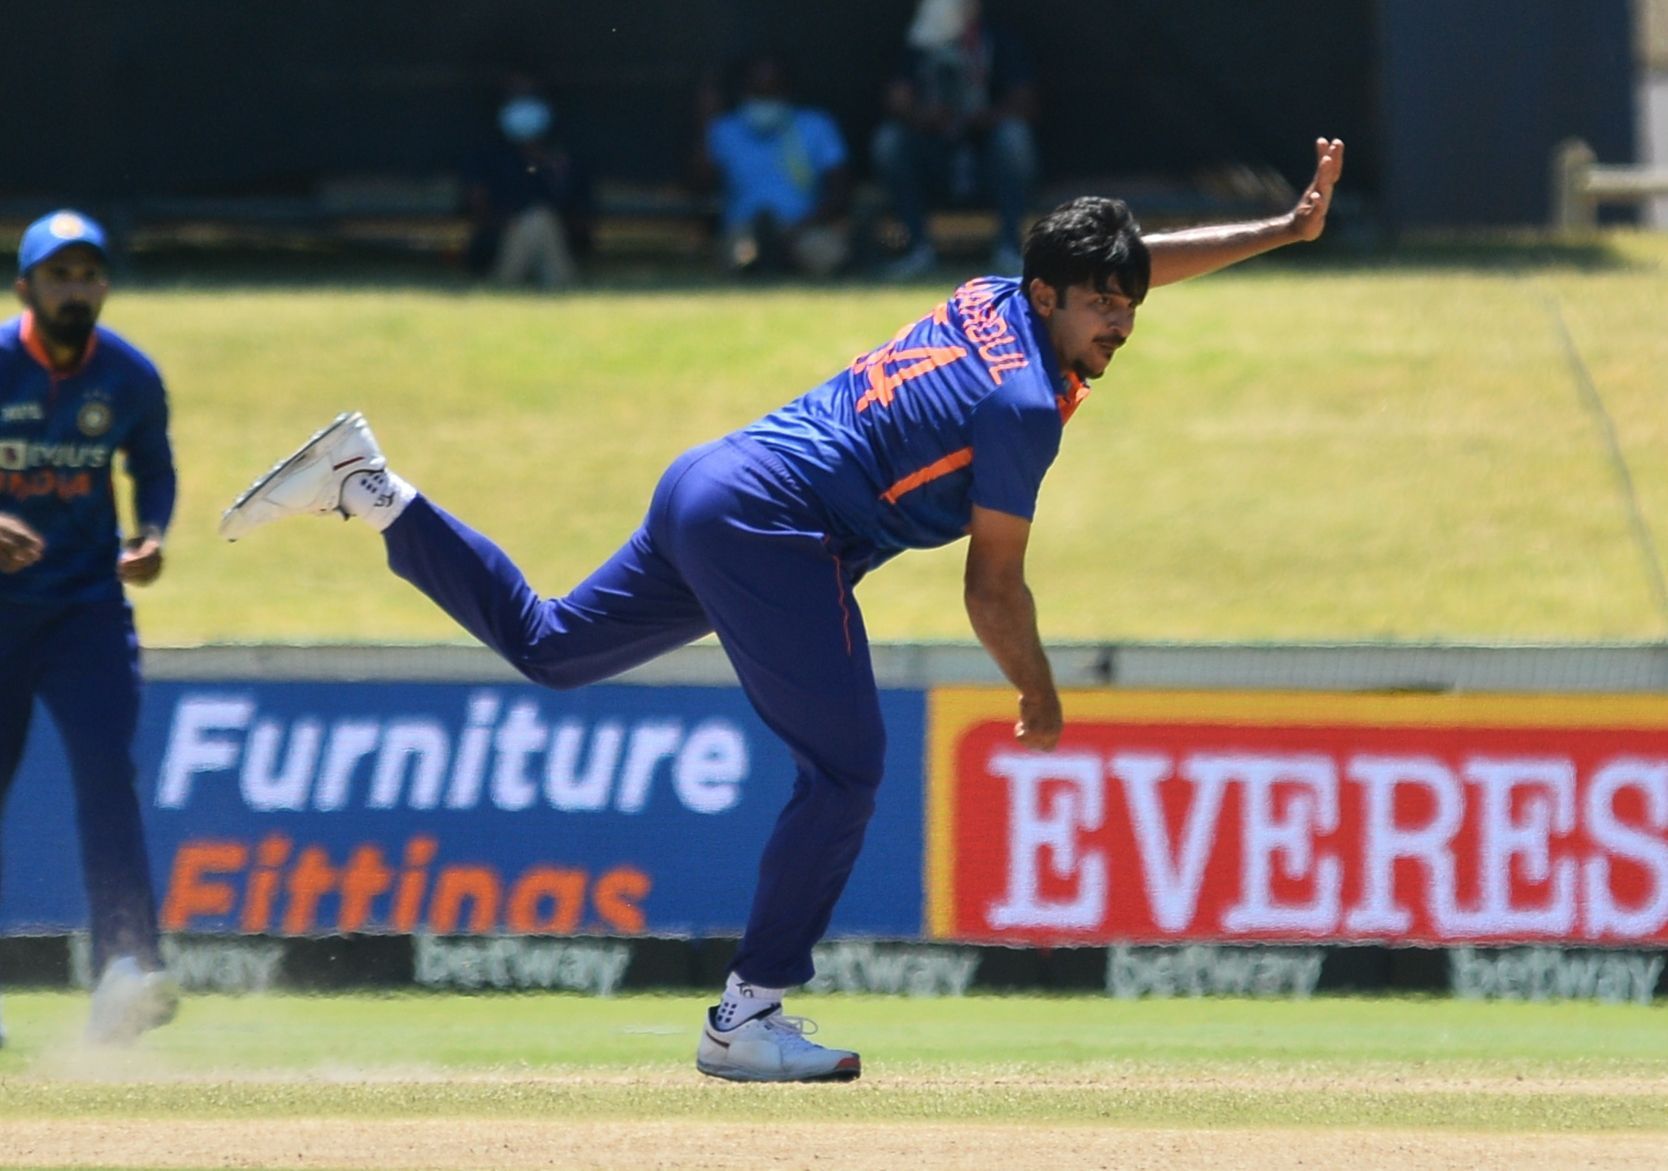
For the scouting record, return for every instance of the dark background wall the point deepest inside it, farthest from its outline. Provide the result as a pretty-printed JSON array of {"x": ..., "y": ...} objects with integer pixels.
[
  {"x": 1478, "y": 92},
  {"x": 111, "y": 99}
]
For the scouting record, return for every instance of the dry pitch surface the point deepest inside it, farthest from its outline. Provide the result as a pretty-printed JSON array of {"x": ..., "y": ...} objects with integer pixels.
[
  {"x": 727, "y": 1137},
  {"x": 493, "y": 1145}
]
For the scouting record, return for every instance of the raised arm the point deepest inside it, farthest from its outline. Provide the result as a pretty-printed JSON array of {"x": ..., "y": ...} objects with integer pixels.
[
  {"x": 1193, "y": 252},
  {"x": 1004, "y": 617}
]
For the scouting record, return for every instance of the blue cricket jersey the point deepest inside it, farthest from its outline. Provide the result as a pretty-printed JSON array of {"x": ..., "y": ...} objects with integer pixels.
[
  {"x": 963, "y": 407},
  {"x": 59, "y": 432}
]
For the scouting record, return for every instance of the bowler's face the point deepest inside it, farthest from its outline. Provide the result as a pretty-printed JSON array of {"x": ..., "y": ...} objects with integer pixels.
[
  {"x": 1086, "y": 325},
  {"x": 66, "y": 291}
]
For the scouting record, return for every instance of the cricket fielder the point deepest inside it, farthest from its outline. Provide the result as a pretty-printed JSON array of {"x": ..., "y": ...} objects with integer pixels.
[{"x": 72, "y": 395}]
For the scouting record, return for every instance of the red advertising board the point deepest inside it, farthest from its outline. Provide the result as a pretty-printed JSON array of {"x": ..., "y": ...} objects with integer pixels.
[{"x": 1273, "y": 816}]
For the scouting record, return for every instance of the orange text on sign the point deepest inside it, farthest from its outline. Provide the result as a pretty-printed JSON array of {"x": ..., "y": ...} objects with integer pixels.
[{"x": 274, "y": 886}]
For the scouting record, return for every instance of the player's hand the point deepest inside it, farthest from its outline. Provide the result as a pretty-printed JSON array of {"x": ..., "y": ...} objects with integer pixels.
[
  {"x": 140, "y": 562},
  {"x": 1040, "y": 720},
  {"x": 20, "y": 545},
  {"x": 1309, "y": 216}
]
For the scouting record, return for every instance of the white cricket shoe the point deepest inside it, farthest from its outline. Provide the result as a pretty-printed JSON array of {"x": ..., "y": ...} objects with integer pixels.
[
  {"x": 129, "y": 1000},
  {"x": 771, "y": 1047},
  {"x": 309, "y": 481}
]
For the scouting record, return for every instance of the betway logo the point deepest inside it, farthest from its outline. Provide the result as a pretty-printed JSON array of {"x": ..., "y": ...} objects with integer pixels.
[
  {"x": 200, "y": 964},
  {"x": 1204, "y": 970},
  {"x": 596, "y": 967},
  {"x": 1359, "y": 845},
  {"x": 506, "y": 756},
  {"x": 19, "y": 456},
  {"x": 893, "y": 969},
  {"x": 1553, "y": 973}
]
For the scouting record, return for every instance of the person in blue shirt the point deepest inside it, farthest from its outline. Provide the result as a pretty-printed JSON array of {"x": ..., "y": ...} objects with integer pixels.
[
  {"x": 944, "y": 432},
  {"x": 782, "y": 171},
  {"x": 72, "y": 395}
]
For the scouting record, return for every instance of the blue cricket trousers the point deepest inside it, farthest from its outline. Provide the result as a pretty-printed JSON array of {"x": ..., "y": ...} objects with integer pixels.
[
  {"x": 730, "y": 544},
  {"x": 82, "y": 662}
]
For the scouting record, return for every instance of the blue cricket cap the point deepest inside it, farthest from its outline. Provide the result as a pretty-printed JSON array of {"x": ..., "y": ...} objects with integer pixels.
[{"x": 54, "y": 232}]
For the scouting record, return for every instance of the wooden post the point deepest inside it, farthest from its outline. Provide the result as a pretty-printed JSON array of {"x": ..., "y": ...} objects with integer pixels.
[{"x": 1573, "y": 208}]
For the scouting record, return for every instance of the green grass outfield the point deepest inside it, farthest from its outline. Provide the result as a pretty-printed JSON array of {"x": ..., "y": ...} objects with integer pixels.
[
  {"x": 1216, "y": 1063},
  {"x": 1394, "y": 447}
]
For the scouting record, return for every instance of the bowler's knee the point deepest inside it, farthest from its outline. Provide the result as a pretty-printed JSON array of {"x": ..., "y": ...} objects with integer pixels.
[{"x": 856, "y": 764}]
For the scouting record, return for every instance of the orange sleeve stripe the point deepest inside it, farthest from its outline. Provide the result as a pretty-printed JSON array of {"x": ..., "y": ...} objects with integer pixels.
[{"x": 955, "y": 461}]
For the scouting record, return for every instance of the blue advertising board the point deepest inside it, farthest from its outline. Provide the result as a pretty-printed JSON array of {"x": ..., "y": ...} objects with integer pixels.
[{"x": 323, "y": 808}]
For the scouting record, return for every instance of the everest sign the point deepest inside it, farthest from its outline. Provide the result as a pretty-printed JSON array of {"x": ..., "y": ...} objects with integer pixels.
[{"x": 1427, "y": 819}]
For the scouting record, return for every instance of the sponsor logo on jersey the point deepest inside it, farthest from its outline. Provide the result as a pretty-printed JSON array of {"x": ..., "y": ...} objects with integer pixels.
[
  {"x": 22, "y": 413},
  {"x": 18, "y": 455},
  {"x": 65, "y": 486}
]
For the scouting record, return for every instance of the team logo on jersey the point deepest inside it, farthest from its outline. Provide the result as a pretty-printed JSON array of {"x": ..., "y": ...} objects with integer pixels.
[{"x": 94, "y": 418}]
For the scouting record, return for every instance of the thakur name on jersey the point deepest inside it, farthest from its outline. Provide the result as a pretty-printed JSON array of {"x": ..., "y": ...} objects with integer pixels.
[
  {"x": 963, "y": 407},
  {"x": 59, "y": 433}
]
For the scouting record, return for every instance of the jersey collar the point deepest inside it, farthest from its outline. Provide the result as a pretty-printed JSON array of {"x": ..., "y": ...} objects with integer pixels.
[{"x": 1072, "y": 397}]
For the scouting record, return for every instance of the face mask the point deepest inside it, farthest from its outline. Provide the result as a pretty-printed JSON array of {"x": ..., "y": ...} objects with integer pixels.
[
  {"x": 524, "y": 119},
  {"x": 765, "y": 115}
]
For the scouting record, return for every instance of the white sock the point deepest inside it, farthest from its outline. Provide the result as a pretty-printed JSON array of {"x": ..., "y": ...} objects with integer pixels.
[
  {"x": 377, "y": 498},
  {"x": 743, "y": 1001}
]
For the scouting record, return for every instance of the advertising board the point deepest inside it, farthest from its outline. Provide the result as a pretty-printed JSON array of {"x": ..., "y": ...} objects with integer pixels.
[
  {"x": 1269, "y": 817},
  {"x": 297, "y": 809}
]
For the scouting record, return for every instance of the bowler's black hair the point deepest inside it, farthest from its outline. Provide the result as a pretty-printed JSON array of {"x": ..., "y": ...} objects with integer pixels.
[{"x": 1091, "y": 239}]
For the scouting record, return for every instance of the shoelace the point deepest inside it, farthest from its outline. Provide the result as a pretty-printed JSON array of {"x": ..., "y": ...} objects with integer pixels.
[{"x": 794, "y": 1029}]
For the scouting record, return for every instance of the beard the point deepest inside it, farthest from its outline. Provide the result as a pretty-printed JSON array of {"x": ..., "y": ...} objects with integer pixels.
[{"x": 71, "y": 328}]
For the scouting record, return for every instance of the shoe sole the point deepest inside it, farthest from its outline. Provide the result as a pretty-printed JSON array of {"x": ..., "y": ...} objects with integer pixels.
[
  {"x": 254, "y": 490},
  {"x": 738, "y": 1075}
]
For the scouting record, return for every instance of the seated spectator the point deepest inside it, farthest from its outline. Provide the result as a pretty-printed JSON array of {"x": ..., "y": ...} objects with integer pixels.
[
  {"x": 958, "y": 129},
  {"x": 782, "y": 170},
  {"x": 528, "y": 200}
]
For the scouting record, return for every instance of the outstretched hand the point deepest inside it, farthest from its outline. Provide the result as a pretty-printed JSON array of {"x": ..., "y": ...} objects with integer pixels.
[{"x": 1309, "y": 216}]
